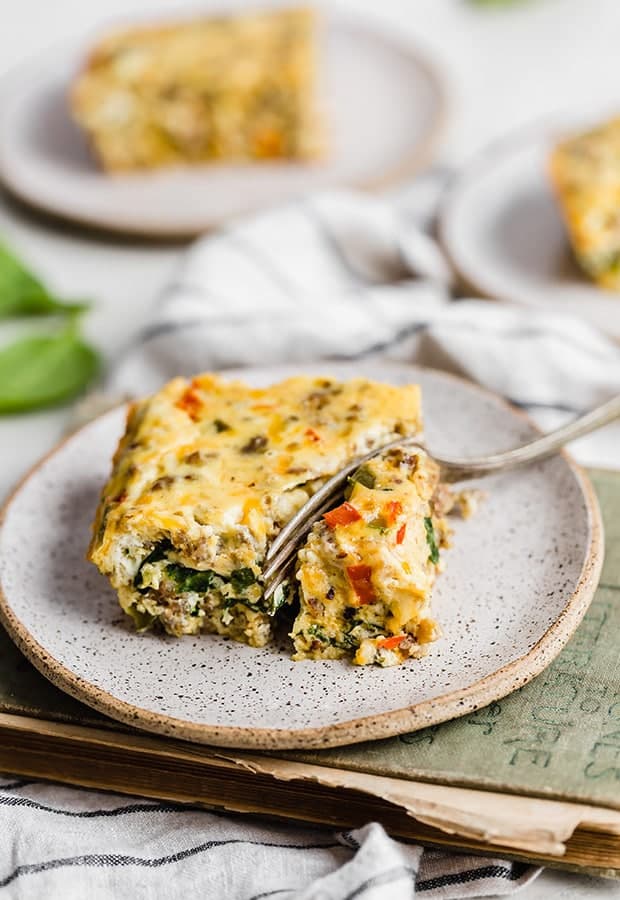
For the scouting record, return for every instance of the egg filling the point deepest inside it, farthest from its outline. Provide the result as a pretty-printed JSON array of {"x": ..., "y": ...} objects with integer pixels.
[
  {"x": 366, "y": 571},
  {"x": 206, "y": 475}
]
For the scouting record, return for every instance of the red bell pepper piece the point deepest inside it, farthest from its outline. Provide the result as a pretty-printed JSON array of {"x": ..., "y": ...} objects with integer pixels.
[
  {"x": 393, "y": 509},
  {"x": 342, "y": 515},
  {"x": 360, "y": 578},
  {"x": 390, "y": 642},
  {"x": 190, "y": 403}
]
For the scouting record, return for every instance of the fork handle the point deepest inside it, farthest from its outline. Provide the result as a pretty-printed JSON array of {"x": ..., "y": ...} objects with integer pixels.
[
  {"x": 283, "y": 547},
  {"x": 541, "y": 447}
]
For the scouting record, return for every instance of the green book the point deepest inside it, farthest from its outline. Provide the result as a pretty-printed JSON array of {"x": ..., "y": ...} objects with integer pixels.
[{"x": 556, "y": 738}]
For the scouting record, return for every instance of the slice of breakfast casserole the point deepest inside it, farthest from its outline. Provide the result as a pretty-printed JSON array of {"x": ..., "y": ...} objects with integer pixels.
[
  {"x": 210, "y": 470},
  {"x": 366, "y": 572},
  {"x": 234, "y": 87},
  {"x": 585, "y": 173}
]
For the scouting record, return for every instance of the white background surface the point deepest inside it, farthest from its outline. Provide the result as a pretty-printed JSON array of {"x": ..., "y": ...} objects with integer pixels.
[{"x": 505, "y": 68}]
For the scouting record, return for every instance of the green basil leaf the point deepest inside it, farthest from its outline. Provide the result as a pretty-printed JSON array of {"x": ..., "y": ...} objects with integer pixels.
[
  {"x": 45, "y": 370},
  {"x": 22, "y": 294}
]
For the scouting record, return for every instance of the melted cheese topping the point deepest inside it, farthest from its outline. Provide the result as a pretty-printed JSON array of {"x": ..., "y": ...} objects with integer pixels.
[{"x": 210, "y": 470}]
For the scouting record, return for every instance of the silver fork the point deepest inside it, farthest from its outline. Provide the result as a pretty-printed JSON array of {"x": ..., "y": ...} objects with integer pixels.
[{"x": 283, "y": 549}]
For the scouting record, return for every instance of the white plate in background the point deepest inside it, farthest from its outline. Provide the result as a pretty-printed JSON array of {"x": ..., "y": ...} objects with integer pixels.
[
  {"x": 384, "y": 103},
  {"x": 501, "y": 227}
]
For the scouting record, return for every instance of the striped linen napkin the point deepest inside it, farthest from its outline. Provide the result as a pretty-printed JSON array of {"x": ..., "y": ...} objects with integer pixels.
[
  {"x": 344, "y": 276},
  {"x": 71, "y": 844}
]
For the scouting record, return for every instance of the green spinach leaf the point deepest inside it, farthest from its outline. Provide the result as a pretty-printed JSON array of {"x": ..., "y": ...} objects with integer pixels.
[
  {"x": 431, "y": 540},
  {"x": 159, "y": 552},
  {"x": 190, "y": 580},
  {"x": 279, "y": 598},
  {"x": 241, "y": 579},
  {"x": 317, "y": 632}
]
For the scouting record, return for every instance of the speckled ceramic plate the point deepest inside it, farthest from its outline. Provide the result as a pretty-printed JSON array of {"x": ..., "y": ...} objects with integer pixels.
[
  {"x": 517, "y": 582},
  {"x": 501, "y": 227},
  {"x": 384, "y": 105}
]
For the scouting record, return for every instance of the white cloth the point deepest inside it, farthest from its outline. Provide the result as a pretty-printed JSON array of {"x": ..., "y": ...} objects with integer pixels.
[
  {"x": 343, "y": 275},
  {"x": 67, "y": 844},
  {"x": 334, "y": 276}
]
